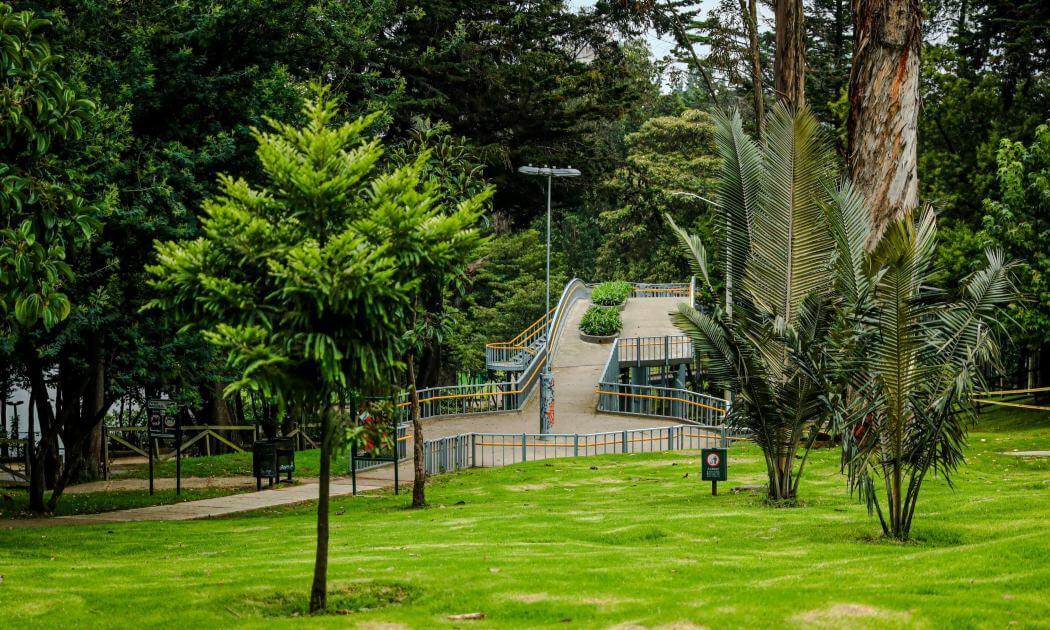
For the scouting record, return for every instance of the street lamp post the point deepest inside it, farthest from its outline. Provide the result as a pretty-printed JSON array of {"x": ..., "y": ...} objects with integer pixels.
[{"x": 546, "y": 377}]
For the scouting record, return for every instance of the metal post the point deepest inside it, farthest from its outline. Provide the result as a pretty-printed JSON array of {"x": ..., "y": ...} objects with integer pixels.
[
  {"x": 670, "y": 438},
  {"x": 575, "y": 444},
  {"x": 550, "y": 179},
  {"x": 149, "y": 456},
  {"x": 178, "y": 458},
  {"x": 473, "y": 450},
  {"x": 625, "y": 441},
  {"x": 523, "y": 447}
]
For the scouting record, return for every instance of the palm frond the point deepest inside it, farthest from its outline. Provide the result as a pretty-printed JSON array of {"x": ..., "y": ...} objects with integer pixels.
[
  {"x": 697, "y": 252},
  {"x": 739, "y": 190},
  {"x": 791, "y": 242}
]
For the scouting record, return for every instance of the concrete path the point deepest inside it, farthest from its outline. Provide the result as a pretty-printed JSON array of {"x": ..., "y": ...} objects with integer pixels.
[{"x": 577, "y": 367}]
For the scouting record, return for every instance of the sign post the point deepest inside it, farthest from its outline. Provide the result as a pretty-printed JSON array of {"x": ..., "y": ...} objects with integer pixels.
[
  {"x": 164, "y": 423},
  {"x": 713, "y": 467}
]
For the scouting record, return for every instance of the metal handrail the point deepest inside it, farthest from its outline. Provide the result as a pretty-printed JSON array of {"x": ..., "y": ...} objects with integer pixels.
[
  {"x": 652, "y": 400},
  {"x": 512, "y": 353},
  {"x": 574, "y": 290}
]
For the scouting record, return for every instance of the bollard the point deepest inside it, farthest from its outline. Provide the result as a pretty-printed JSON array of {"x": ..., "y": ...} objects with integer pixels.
[{"x": 625, "y": 441}]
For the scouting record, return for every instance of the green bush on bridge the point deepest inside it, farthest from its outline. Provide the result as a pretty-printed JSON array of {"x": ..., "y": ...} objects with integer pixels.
[
  {"x": 601, "y": 321},
  {"x": 611, "y": 293}
]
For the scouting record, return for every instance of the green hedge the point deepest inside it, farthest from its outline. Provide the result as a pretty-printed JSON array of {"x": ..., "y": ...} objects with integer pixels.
[
  {"x": 611, "y": 293},
  {"x": 601, "y": 321}
]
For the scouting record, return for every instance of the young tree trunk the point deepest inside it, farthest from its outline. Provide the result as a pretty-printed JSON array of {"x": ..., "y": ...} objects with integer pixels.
[
  {"x": 749, "y": 12},
  {"x": 883, "y": 119},
  {"x": 319, "y": 589},
  {"x": 419, "y": 478},
  {"x": 789, "y": 64}
]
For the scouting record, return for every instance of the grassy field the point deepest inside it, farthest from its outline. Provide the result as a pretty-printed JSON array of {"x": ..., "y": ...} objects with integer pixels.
[
  {"x": 596, "y": 542},
  {"x": 235, "y": 464},
  {"x": 13, "y": 502}
]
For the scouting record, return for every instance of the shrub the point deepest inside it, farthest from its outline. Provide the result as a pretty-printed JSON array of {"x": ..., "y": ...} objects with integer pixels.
[
  {"x": 601, "y": 321},
  {"x": 611, "y": 293}
]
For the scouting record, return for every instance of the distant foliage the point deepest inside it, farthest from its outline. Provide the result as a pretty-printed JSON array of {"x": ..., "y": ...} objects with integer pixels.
[
  {"x": 611, "y": 293},
  {"x": 670, "y": 162},
  {"x": 601, "y": 321}
]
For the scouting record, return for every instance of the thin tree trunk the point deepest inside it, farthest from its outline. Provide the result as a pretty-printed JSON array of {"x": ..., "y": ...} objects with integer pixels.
[
  {"x": 750, "y": 14},
  {"x": 789, "y": 64},
  {"x": 682, "y": 39},
  {"x": 319, "y": 589},
  {"x": 883, "y": 119},
  {"x": 419, "y": 478},
  {"x": 36, "y": 468}
]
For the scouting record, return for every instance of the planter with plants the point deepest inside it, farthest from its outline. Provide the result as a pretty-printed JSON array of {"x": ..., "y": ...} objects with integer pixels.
[
  {"x": 600, "y": 324},
  {"x": 613, "y": 294}
]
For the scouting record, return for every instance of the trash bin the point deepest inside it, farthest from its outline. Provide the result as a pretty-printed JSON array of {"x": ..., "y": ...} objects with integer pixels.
[{"x": 271, "y": 459}]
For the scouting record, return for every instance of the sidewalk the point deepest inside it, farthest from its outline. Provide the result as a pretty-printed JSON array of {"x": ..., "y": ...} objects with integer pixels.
[{"x": 223, "y": 506}]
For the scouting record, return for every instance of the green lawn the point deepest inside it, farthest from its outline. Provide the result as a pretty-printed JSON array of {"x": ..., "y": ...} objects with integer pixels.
[
  {"x": 13, "y": 502},
  {"x": 588, "y": 543},
  {"x": 235, "y": 464}
]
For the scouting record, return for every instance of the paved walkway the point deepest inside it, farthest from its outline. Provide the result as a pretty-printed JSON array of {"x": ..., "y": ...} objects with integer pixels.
[{"x": 577, "y": 366}]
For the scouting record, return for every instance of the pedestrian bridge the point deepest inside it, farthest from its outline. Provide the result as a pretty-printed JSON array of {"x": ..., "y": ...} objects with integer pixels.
[
  {"x": 640, "y": 378},
  {"x": 629, "y": 396}
]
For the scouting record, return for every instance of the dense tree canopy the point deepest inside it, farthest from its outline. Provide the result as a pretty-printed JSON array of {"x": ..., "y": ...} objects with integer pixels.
[{"x": 474, "y": 89}]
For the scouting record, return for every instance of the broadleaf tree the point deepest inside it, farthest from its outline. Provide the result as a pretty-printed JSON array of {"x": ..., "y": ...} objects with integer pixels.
[
  {"x": 452, "y": 244},
  {"x": 302, "y": 279},
  {"x": 49, "y": 211}
]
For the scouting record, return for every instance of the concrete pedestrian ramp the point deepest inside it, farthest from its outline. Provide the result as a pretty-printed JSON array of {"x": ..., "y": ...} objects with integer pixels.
[{"x": 577, "y": 367}]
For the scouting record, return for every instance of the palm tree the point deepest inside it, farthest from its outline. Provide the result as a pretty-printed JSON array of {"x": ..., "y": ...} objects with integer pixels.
[
  {"x": 769, "y": 345},
  {"x": 913, "y": 356}
]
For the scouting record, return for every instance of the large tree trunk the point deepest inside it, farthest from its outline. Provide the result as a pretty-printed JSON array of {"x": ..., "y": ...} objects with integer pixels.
[
  {"x": 749, "y": 12},
  {"x": 884, "y": 106},
  {"x": 789, "y": 64},
  {"x": 216, "y": 412},
  {"x": 319, "y": 589},
  {"x": 83, "y": 440}
]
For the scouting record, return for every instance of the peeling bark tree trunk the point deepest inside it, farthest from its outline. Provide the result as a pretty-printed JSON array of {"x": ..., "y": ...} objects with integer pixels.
[
  {"x": 789, "y": 64},
  {"x": 884, "y": 106}
]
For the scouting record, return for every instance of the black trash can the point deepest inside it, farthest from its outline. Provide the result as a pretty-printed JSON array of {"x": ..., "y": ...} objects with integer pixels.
[{"x": 271, "y": 459}]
